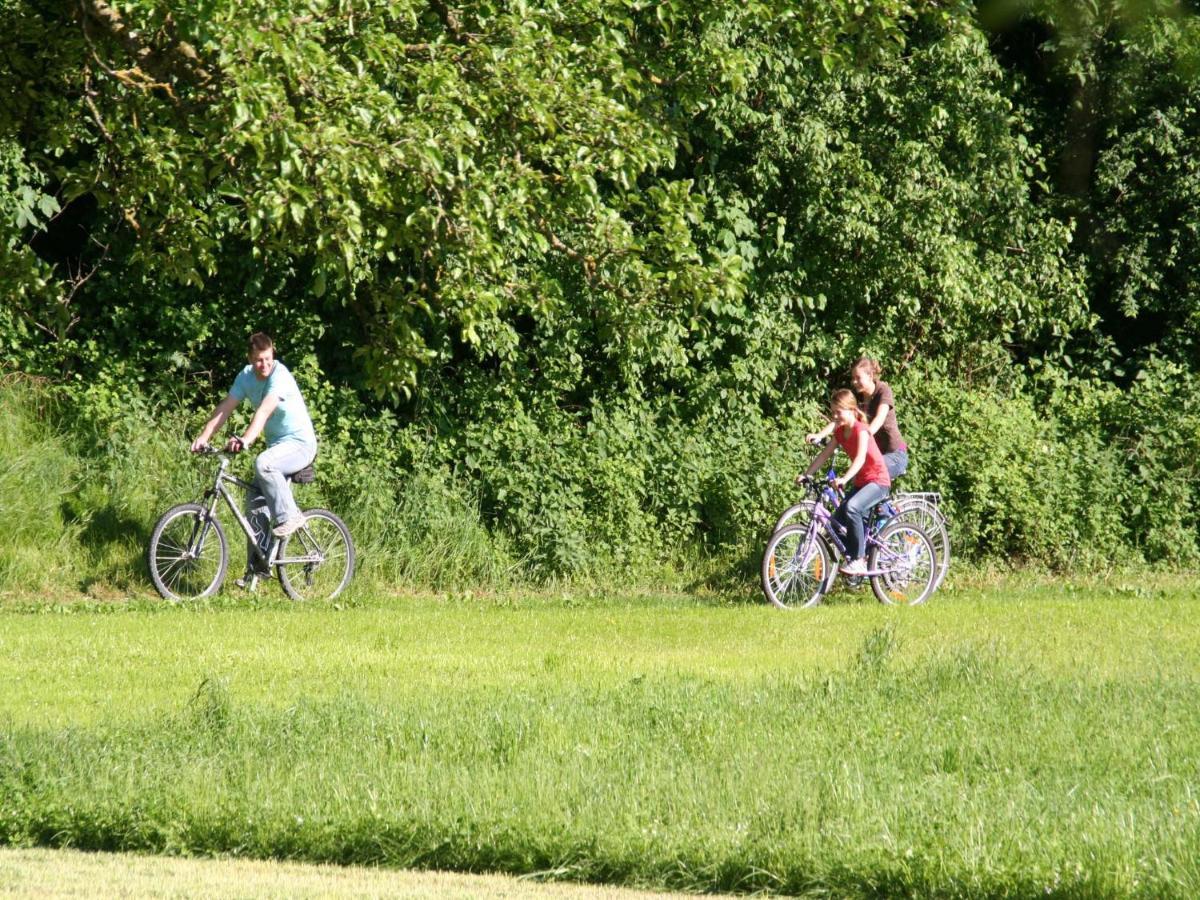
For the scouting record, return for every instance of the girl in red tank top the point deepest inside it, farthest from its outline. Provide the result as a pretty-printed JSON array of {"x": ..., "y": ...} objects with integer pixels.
[{"x": 867, "y": 469}]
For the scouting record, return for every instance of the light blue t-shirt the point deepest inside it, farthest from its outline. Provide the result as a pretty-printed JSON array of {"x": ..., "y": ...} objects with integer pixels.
[{"x": 290, "y": 421}]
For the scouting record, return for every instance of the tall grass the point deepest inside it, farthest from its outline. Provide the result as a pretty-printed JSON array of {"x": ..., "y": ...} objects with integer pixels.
[
  {"x": 852, "y": 752},
  {"x": 418, "y": 528},
  {"x": 82, "y": 484},
  {"x": 39, "y": 538}
]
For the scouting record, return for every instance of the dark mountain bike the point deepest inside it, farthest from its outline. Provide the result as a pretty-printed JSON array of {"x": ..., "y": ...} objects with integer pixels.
[{"x": 189, "y": 554}]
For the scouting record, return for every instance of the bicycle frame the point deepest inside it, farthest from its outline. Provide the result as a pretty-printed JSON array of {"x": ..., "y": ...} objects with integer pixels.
[
  {"x": 822, "y": 525},
  {"x": 219, "y": 491}
]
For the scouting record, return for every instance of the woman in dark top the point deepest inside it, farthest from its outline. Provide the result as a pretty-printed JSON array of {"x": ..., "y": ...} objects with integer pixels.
[{"x": 879, "y": 404}]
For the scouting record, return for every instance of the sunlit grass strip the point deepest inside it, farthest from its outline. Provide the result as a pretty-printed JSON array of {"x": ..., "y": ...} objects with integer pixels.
[
  {"x": 41, "y": 873},
  {"x": 97, "y": 662}
]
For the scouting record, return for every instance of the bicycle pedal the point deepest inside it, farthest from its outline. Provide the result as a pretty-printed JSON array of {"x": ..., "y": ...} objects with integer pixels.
[{"x": 249, "y": 581}]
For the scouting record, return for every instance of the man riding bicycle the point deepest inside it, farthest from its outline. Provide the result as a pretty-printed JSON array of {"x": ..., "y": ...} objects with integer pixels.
[{"x": 282, "y": 417}]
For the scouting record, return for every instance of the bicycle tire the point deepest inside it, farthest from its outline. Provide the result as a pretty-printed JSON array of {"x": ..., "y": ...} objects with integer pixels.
[
  {"x": 326, "y": 540},
  {"x": 801, "y": 514},
  {"x": 795, "y": 569},
  {"x": 933, "y": 522},
  {"x": 905, "y": 554},
  {"x": 797, "y": 514},
  {"x": 179, "y": 558}
]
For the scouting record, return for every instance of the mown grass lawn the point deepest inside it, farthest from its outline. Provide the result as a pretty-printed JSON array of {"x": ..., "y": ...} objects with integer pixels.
[
  {"x": 1013, "y": 739},
  {"x": 43, "y": 874}
]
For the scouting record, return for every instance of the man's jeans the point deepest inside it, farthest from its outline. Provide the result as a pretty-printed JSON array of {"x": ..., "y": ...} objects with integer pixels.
[
  {"x": 852, "y": 515},
  {"x": 271, "y": 495}
]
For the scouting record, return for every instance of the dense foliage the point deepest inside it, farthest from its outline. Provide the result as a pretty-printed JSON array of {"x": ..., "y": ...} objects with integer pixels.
[{"x": 577, "y": 276}]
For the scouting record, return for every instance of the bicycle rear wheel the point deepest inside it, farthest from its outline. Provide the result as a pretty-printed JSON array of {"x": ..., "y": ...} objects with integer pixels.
[
  {"x": 795, "y": 567},
  {"x": 318, "y": 559},
  {"x": 188, "y": 554},
  {"x": 929, "y": 519},
  {"x": 904, "y": 557}
]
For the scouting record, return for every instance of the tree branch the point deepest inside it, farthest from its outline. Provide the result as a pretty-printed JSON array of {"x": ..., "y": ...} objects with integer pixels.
[
  {"x": 452, "y": 23},
  {"x": 155, "y": 67},
  {"x": 91, "y": 105}
]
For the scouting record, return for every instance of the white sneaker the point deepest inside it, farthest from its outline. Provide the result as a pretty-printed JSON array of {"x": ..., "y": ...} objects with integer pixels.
[
  {"x": 857, "y": 568},
  {"x": 295, "y": 523}
]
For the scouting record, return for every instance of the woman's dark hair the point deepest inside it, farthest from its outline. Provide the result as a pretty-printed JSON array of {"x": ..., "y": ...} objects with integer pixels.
[{"x": 871, "y": 365}]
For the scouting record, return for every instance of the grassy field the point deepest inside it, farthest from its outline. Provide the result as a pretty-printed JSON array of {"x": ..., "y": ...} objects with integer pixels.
[{"x": 1013, "y": 739}]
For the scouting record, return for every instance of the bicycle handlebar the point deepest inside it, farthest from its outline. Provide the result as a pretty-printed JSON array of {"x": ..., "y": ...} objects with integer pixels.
[
  {"x": 210, "y": 450},
  {"x": 818, "y": 485}
]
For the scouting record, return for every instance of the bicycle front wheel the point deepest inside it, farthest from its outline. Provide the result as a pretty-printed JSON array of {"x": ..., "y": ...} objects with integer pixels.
[
  {"x": 795, "y": 567},
  {"x": 188, "y": 554},
  {"x": 906, "y": 564},
  {"x": 798, "y": 514},
  {"x": 316, "y": 562}
]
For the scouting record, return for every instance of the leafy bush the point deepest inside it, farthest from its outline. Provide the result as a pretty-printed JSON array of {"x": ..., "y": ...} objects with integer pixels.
[
  {"x": 1154, "y": 429},
  {"x": 1092, "y": 476},
  {"x": 1024, "y": 480}
]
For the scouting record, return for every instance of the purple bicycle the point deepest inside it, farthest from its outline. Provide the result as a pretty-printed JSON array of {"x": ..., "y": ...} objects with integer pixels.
[{"x": 799, "y": 566}]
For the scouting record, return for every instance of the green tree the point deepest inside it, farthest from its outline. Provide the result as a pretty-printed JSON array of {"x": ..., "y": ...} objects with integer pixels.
[
  {"x": 1112, "y": 90},
  {"x": 416, "y": 170}
]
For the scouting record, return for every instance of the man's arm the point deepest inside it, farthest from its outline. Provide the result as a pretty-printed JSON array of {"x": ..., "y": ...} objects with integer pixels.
[{"x": 216, "y": 420}]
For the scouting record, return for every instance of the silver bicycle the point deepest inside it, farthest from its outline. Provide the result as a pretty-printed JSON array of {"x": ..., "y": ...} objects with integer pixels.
[{"x": 189, "y": 553}]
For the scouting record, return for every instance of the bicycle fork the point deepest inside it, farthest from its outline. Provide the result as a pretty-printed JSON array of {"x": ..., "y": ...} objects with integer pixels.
[{"x": 202, "y": 527}]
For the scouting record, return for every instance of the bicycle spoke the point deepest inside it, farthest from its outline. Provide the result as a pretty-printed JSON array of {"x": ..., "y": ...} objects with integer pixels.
[
  {"x": 188, "y": 554},
  {"x": 325, "y": 562}
]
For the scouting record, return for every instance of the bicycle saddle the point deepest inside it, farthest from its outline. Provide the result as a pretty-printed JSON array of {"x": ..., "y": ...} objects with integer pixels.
[{"x": 307, "y": 475}]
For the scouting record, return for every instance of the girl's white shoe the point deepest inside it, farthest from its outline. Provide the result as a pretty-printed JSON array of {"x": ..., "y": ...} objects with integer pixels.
[{"x": 857, "y": 567}]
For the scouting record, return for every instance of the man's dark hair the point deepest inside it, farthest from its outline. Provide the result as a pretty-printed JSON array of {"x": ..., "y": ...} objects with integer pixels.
[{"x": 260, "y": 341}]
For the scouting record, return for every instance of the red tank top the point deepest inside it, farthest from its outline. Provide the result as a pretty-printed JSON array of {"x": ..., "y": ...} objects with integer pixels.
[{"x": 874, "y": 470}]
